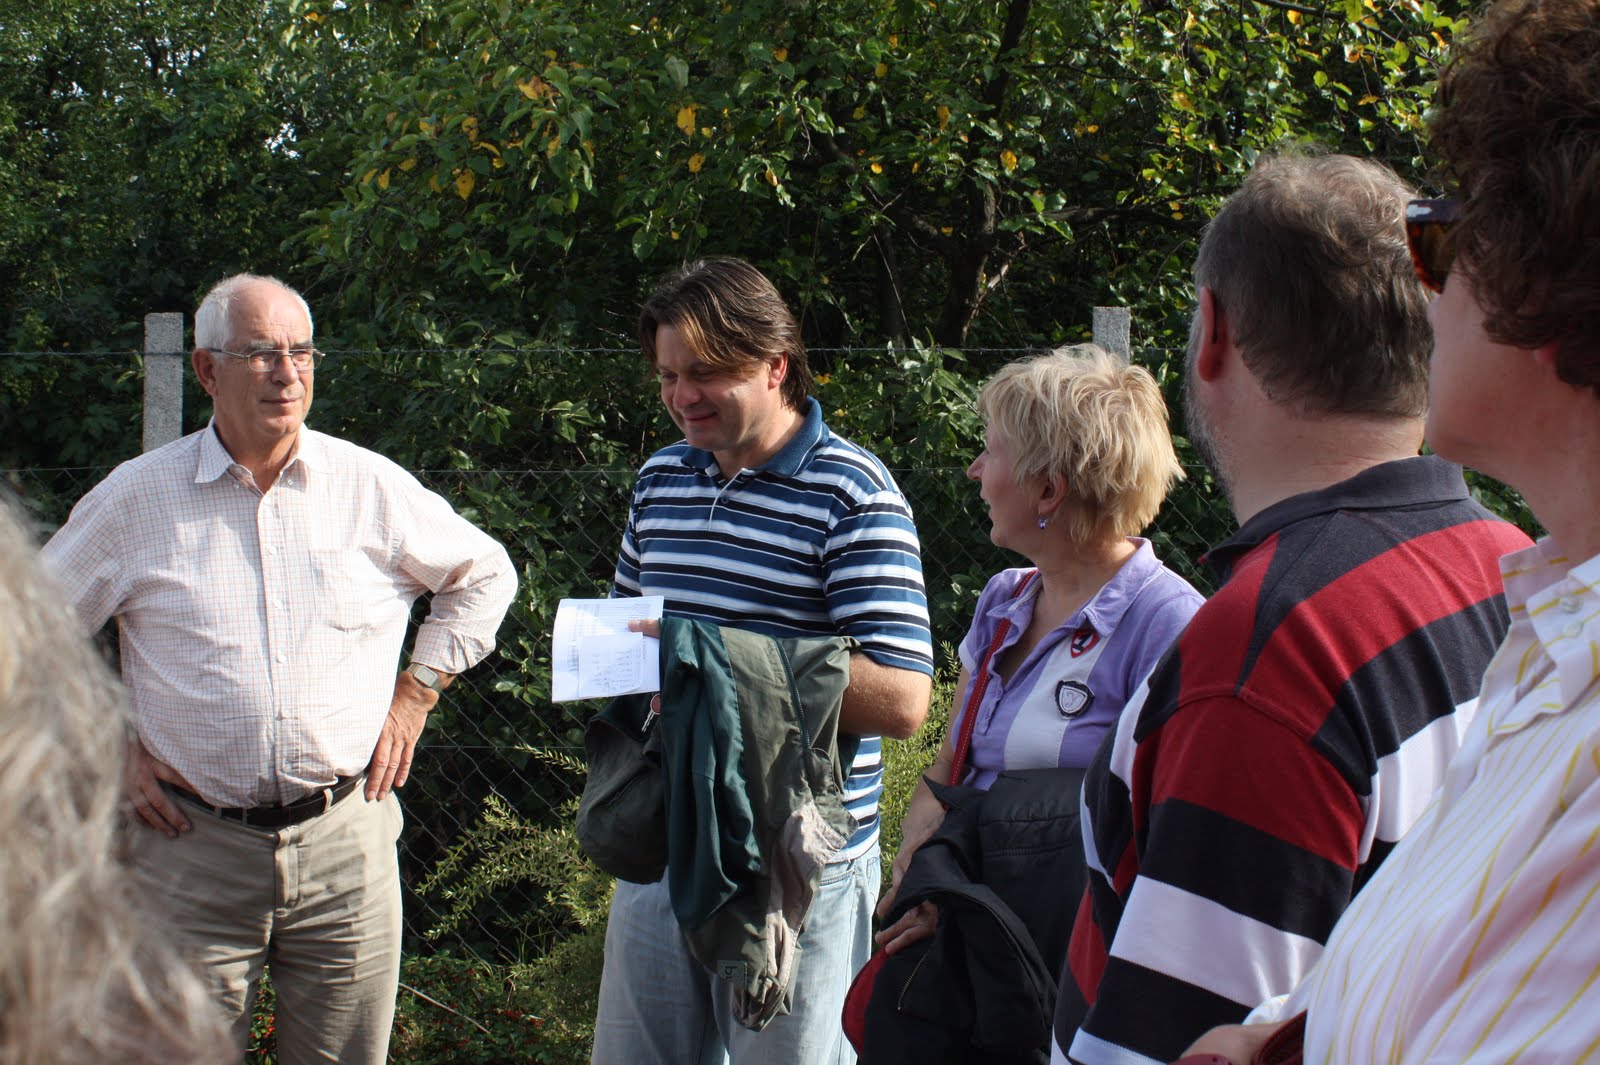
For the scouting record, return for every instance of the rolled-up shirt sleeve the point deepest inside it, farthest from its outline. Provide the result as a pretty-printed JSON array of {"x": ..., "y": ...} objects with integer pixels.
[{"x": 468, "y": 573}]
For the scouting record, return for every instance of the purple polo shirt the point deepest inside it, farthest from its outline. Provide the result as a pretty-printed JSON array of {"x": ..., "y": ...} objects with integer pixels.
[{"x": 1073, "y": 685}]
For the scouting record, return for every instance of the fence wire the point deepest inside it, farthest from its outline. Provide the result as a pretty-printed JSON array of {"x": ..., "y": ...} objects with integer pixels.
[{"x": 497, "y": 736}]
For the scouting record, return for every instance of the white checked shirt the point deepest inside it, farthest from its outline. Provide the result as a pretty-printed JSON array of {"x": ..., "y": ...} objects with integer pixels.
[
  {"x": 261, "y": 632},
  {"x": 1479, "y": 938}
]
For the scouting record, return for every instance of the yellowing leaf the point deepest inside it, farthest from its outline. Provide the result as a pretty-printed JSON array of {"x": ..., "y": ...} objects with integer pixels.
[
  {"x": 469, "y": 126},
  {"x": 1091, "y": 129},
  {"x": 483, "y": 56},
  {"x": 858, "y": 113},
  {"x": 550, "y": 53},
  {"x": 313, "y": 16},
  {"x": 1367, "y": 99},
  {"x": 696, "y": 161},
  {"x": 675, "y": 234},
  {"x": 894, "y": 40},
  {"x": 1295, "y": 17},
  {"x": 534, "y": 87},
  {"x": 781, "y": 55},
  {"x": 1008, "y": 159},
  {"x": 383, "y": 180},
  {"x": 881, "y": 70},
  {"x": 771, "y": 176},
  {"x": 916, "y": 166},
  {"x": 686, "y": 120},
  {"x": 1181, "y": 101},
  {"x": 424, "y": 125},
  {"x": 705, "y": 131},
  {"x": 947, "y": 230},
  {"x": 944, "y": 115},
  {"x": 1189, "y": 21},
  {"x": 877, "y": 168},
  {"x": 408, "y": 164},
  {"x": 464, "y": 182},
  {"x": 367, "y": 177}
]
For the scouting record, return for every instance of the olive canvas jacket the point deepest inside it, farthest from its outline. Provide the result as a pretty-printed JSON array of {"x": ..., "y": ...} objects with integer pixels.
[{"x": 743, "y": 770}]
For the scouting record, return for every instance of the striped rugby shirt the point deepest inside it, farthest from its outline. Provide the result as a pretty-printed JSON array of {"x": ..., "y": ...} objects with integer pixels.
[
  {"x": 1479, "y": 940},
  {"x": 1295, "y": 731},
  {"x": 818, "y": 541}
]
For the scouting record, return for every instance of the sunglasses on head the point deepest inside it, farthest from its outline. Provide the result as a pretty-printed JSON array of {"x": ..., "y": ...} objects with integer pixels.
[{"x": 1433, "y": 246}]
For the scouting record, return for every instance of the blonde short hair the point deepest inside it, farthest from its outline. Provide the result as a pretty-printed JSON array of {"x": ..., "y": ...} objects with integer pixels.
[
  {"x": 1098, "y": 422},
  {"x": 86, "y": 974}
]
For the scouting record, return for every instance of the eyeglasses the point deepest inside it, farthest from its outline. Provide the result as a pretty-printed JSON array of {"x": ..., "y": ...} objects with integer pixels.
[
  {"x": 261, "y": 361},
  {"x": 1428, "y": 235}
]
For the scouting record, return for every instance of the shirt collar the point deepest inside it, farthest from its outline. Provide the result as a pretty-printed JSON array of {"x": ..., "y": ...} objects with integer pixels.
[
  {"x": 215, "y": 461},
  {"x": 790, "y": 458},
  {"x": 1557, "y": 604},
  {"x": 1104, "y": 611},
  {"x": 1386, "y": 486}
]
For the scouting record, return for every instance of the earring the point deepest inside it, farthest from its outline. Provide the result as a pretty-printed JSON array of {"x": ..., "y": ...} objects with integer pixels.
[{"x": 1043, "y": 522}]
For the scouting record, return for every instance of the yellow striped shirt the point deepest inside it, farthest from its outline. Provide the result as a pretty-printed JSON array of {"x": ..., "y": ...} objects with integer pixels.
[{"x": 1479, "y": 939}]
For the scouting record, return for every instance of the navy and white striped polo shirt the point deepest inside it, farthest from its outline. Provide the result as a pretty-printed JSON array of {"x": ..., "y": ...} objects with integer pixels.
[{"x": 818, "y": 541}]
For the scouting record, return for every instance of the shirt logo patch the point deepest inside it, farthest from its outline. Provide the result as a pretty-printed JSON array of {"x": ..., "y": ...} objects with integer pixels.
[
  {"x": 1084, "y": 640},
  {"x": 1073, "y": 698}
]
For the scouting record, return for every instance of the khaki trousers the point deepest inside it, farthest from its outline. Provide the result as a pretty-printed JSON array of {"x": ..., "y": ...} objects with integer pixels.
[{"x": 318, "y": 902}]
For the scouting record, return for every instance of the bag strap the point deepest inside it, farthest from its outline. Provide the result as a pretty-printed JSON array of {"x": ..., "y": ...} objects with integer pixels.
[{"x": 980, "y": 683}]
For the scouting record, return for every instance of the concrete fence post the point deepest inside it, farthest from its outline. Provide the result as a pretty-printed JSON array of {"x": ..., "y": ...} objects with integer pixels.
[
  {"x": 163, "y": 379},
  {"x": 1113, "y": 330}
]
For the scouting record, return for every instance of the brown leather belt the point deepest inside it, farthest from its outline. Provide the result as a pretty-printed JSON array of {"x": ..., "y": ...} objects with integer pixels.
[{"x": 318, "y": 802}]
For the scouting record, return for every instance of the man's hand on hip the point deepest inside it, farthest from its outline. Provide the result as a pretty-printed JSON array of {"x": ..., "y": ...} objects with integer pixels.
[
  {"x": 147, "y": 799},
  {"x": 408, "y": 715}
]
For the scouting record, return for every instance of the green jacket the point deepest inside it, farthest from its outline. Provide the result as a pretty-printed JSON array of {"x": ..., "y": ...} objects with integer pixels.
[{"x": 747, "y": 753}]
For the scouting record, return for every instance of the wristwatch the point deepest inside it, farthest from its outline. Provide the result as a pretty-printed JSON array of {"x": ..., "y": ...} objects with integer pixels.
[{"x": 427, "y": 677}]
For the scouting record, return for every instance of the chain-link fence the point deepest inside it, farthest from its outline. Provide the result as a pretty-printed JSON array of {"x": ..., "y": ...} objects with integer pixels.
[{"x": 497, "y": 735}]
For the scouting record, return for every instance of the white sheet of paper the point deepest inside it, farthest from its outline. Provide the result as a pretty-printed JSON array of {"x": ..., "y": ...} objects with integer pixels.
[{"x": 594, "y": 656}]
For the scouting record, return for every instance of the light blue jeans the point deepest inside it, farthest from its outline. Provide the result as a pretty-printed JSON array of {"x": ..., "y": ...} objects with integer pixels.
[{"x": 658, "y": 1006}]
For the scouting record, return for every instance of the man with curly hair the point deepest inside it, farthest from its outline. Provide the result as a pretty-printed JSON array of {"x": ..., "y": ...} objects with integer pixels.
[{"x": 1479, "y": 938}]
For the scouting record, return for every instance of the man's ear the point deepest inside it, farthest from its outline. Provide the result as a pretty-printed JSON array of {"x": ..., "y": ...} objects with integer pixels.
[
  {"x": 778, "y": 370},
  {"x": 1211, "y": 327},
  {"x": 205, "y": 368}
]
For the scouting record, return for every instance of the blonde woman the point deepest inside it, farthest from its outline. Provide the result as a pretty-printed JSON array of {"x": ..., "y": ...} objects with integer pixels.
[{"x": 1077, "y": 460}]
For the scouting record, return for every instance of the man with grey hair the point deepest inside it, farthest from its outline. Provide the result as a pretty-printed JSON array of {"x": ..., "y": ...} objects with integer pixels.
[
  {"x": 1301, "y": 721},
  {"x": 261, "y": 576}
]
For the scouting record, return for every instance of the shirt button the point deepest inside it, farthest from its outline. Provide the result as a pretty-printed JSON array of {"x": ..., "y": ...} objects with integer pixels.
[
  {"x": 1572, "y": 629},
  {"x": 280, "y": 657},
  {"x": 1570, "y": 604}
]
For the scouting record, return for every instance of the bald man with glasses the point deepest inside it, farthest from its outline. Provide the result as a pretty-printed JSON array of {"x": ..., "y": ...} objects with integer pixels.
[{"x": 261, "y": 576}]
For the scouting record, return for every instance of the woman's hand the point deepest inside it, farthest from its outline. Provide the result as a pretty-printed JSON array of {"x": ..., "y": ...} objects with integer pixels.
[
  {"x": 915, "y": 925},
  {"x": 923, "y": 817}
]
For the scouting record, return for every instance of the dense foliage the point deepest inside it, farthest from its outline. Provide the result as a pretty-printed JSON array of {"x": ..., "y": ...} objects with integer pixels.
[{"x": 462, "y": 171}]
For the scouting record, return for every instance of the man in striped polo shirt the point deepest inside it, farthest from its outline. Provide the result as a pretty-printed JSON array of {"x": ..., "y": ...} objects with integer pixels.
[
  {"x": 1301, "y": 721},
  {"x": 763, "y": 519}
]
